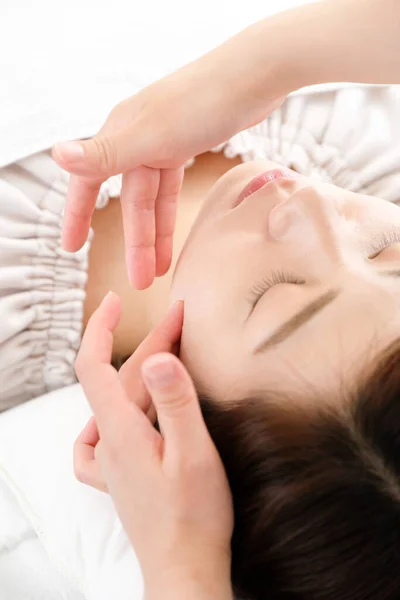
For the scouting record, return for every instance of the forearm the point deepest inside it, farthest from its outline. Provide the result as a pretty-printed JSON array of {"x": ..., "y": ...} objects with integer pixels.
[
  {"x": 339, "y": 40},
  {"x": 330, "y": 41}
]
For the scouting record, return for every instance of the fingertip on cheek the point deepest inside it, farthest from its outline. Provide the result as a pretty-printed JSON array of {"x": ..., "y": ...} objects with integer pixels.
[{"x": 111, "y": 309}]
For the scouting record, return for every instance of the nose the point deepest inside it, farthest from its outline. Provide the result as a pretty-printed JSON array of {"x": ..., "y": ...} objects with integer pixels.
[{"x": 306, "y": 211}]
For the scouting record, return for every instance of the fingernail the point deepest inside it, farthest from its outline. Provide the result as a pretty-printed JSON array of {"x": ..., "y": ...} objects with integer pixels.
[
  {"x": 108, "y": 297},
  {"x": 159, "y": 372},
  {"x": 69, "y": 150},
  {"x": 175, "y": 304}
]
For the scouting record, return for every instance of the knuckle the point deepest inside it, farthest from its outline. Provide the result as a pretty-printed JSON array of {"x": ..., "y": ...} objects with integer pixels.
[
  {"x": 144, "y": 244},
  {"x": 79, "y": 471},
  {"x": 169, "y": 198},
  {"x": 174, "y": 401},
  {"x": 106, "y": 153},
  {"x": 199, "y": 464},
  {"x": 79, "y": 475},
  {"x": 115, "y": 113},
  {"x": 189, "y": 472},
  {"x": 143, "y": 203}
]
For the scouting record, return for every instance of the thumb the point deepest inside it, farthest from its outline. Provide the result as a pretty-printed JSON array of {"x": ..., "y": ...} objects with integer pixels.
[
  {"x": 176, "y": 403},
  {"x": 102, "y": 156}
]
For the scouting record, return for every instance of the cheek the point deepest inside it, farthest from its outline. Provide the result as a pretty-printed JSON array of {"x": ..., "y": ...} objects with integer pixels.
[
  {"x": 199, "y": 278},
  {"x": 209, "y": 342},
  {"x": 374, "y": 212},
  {"x": 197, "y": 350},
  {"x": 207, "y": 357}
]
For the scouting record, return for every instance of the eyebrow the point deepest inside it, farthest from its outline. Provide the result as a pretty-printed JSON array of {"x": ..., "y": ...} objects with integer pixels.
[
  {"x": 307, "y": 313},
  {"x": 391, "y": 273},
  {"x": 298, "y": 320}
]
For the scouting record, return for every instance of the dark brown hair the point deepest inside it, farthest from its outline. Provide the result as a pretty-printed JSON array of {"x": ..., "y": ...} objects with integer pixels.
[{"x": 316, "y": 491}]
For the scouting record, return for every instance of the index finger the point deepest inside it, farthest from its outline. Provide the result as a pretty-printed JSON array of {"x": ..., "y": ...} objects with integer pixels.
[
  {"x": 80, "y": 204},
  {"x": 138, "y": 196},
  {"x": 99, "y": 379},
  {"x": 166, "y": 207},
  {"x": 163, "y": 338}
]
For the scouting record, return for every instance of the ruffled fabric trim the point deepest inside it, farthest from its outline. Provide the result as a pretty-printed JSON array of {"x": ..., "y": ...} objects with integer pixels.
[{"x": 42, "y": 287}]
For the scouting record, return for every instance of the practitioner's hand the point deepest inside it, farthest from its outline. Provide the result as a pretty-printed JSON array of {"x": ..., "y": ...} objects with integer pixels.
[
  {"x": 170, "y": 490},
  {"x": 148, "y": 138},
  {"x": 164, "y": 337}
]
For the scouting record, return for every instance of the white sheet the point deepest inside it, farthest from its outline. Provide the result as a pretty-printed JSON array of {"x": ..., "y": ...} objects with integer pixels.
[
  {"x": 77, "y": 526},
  {"x": 26, "y": 572}
]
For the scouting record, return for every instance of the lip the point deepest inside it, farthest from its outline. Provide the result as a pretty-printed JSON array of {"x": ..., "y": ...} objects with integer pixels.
[{"x": 262, "y": 180}]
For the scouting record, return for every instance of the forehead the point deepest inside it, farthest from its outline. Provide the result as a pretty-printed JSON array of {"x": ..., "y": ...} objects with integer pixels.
[
  {"x": 327, "y": 354},
  {"x": 335, "y": 345}
]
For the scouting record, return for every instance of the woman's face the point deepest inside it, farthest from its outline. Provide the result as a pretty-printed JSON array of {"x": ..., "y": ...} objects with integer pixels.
[{"x": 291, "y": 287}]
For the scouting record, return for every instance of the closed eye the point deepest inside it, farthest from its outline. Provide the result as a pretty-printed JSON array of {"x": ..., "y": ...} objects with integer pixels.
[
  {"x": 386, "y": 239},
  {"x": 269, "y": 281}
]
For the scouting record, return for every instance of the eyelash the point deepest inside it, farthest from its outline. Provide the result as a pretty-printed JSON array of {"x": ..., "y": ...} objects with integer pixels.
[
  {"x": 386, "y": 239},
  {"x": 275, "y": 278}
]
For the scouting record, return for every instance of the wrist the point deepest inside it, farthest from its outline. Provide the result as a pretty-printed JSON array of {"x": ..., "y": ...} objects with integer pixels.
[
  {"x": 183, "y": 590},
  {"x": 262, "y": 70},
  {"x": 197, "y": 582}
]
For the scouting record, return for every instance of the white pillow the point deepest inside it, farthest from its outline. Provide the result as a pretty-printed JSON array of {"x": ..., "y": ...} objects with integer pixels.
[{"x": 77, "y": 525}]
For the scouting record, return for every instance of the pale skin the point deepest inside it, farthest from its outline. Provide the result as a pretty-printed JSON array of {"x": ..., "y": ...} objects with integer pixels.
[{"x": 338, "y": 40}]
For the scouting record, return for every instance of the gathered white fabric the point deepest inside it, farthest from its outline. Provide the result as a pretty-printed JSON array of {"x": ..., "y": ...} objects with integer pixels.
[
  {"x": 349, "y": 137},
  {"x": 42, "y": 288}
]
